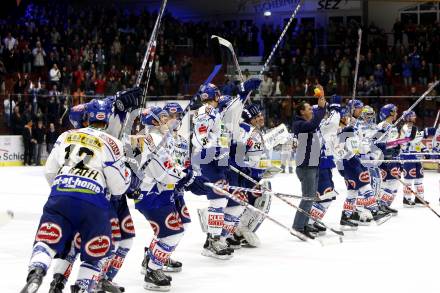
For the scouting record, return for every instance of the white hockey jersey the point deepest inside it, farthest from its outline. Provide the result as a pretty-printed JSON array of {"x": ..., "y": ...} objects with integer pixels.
[
  {"x": 414, "y": 146},
  {"x": 89, "y": 164}
]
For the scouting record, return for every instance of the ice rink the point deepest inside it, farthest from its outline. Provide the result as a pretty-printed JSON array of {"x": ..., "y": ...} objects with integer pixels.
[{"x": 402, "y": 255}]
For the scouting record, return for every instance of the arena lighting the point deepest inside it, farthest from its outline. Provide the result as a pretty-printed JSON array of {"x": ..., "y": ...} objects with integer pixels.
[{"x": 267, "y": 13}]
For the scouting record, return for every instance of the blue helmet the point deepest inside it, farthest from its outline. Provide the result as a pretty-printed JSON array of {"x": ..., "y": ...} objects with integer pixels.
[
  {"x": 173, "y": 108},
  {"x": 386, "y": 111},
  {"x": 99, "y": 110},
  {"x": 223, "y": 102},
  {"x": 408, "y": 115},
  {"x": 344, "y": 112},
  {"x": 78, "y": 115},
  {"x": 152, "y": 114},
  {"x": 335, "y": 99},
  {"x": 209, "y": 92},
  {"x": 354, "y": 104},
  {"x": 249, "y": 112}
]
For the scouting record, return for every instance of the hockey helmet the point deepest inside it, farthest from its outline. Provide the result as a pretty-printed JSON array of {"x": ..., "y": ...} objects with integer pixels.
[
  {"x": 99, "y": 110},
  {"x": 386, "y": 111}
]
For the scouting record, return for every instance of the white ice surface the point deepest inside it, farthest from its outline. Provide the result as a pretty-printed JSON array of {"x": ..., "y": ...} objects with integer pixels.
[{"x": 402, "y": 255}]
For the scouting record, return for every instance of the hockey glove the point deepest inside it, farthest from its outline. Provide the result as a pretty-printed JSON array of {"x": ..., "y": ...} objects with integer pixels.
[
  {"x": 133, "y": 190},
  {"x": 128, "y": 100},
  {"x": 248, "y": 86},
  {"x": 429, "y": 131},
  {"x": 193, "y": 182}
]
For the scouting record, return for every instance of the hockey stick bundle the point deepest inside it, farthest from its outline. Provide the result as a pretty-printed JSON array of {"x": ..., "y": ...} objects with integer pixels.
[
  {"x": 247, "y": 205},
  {"x": 340, "y": 233},
  {"x": 257, "y": 191},
  {"x": 419, "y": 197}
]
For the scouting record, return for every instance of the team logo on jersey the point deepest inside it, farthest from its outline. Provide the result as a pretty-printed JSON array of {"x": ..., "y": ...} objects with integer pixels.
[
  {"x": 395, "y": 172},
  {"x": 77, "y": 240},
  {"x": 155, "y": 227},
  {"x": 386, "y": 197},
  {"x": 117, "y": 262},
  {"x": 316, "y": 213},
  {"x": 128, "y": 225},
  {"x": 100, "y": 116},
  {"x": 116, "y": 231},
  {"x": 173, "y": 222},
  {"x": 250, "y": 142},
  {"x": 98, "y": 246},
  {"x": 168, "y": 164},
  {"x": 413, "y": 172},
  {"x": 223, "y": 184},
  {"x": 184, "y": 211},
  {"x": 364, "y": 177},
  {"x": 383, "y": 173},
  {"x": 203, "y": 129},
  {"x": 49, "y": 233},
  {"x": 348, "y": 206}
]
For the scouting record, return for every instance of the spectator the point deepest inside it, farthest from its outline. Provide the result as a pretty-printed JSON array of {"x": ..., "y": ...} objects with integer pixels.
[
  {"x": 162, "y": 78},
  {"x": 266, "y": 86},
  {"x": 39, "y": 55},
  {"x": 10, "y": 42},
  {"x": 345, "y": 72},
  {"x": 52, "y": 109},
  {"x": 186, "y": 70},
  {"x": 423, "y": 73},
  {"x": 28, "y": 142},
  {"x": 26, "y": 59},
  {"x": 389, "y": 80},
  {"x": 100, "y": 84},
  {"x": 38, "y": 136},
  {"x": 280, "y": 87},
  {"x": 398, "y": 32},
  {"x": 17, "y": 122},
  {"x": 2, "y": 78},
  {"x": 51, "y": 137},
  {"x": 79, "y": 77},
  {"x": 307, "y": 158},
  {"x": 174, "y": 77},
  {"x": 54, "y": 74},
  {"x": 379, "y": 78},
  {"x": 8, "y": 107},
  {"x": 406, "y": 72}
]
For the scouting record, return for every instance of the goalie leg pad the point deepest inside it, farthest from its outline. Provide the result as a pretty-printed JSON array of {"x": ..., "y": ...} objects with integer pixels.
[
  {"x": 251, "y": 220},
  {"x": 231, "y": 220}
]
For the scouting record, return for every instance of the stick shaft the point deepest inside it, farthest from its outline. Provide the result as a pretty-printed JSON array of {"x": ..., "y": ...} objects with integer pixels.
[
  {"x": 419, "y": 197},
  {"x": 356, "y": 70}
]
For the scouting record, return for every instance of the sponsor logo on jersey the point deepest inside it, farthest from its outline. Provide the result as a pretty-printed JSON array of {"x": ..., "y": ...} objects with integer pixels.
[
  {"x": 161, "y": 255},
  {"x": 113, "y": 145},
  {"x": 203, "y": 129},
  {"x": 155, "y": 227},
  {"x": 231, "y": 229},
  {"x": 364, "y": 177},
  {"x": 128, "y": 225},
  {"x": 116, "y": 231},
  {"x": 117, "y": 262},
  {"x": 49, "y": 233},
  {"x": 185, "y": 213},
  {"x": 366, "y": 202},
  {"x": 168, "y": 164},
  {"x": 413, "y": 172},
  {"x": 84, "y": 139},
  {"x": 76, "y": 184},
  {"x": 316, "y": 213},
  {"x": 395, "y": 172},
  {"x": 77, "y": 240},
  {"x": 98, "y": 246},
  {"x": 420, "y": 189},
  {"x": 173, "y": 222},
  {"x": 250, "y": 142},
  {"x": 216, "y": 220},
  {"x": 100, "y": 116},
  {"x": 348, "y": 206},
  {"x": 386, "y": 197}
]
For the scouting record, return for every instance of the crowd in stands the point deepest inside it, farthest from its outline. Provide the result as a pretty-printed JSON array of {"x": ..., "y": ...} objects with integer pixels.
[{"x": 57, "y": 55}]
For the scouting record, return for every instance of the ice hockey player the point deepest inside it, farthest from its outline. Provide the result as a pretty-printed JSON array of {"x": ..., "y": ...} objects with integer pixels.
[
  {"x": 84, "y": 168},
  {"x": 328, "y": 130},
  {"x": 249, "y": 155},
  {"x": 121, "y": 222},
  {"x": 211, "y": 139},
  {"x": 360, "y": 195},
  {"x": 182, "y": 159},
  {"x": 413, "y": 171},
  {"x": 390, "y": 171},
  {"x": 354, "y": 108},
  {"x": 156, "y": 199}
]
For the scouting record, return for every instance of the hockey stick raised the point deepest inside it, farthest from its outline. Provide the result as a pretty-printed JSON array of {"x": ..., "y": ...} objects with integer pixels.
[
  {"x": 229, "y": 46},
  {"x": 419, "y": 197},
  {"x": 409, "y": 109},
  {"x": 340, "y": 233},
  {"x": 356, "y": 70}
]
